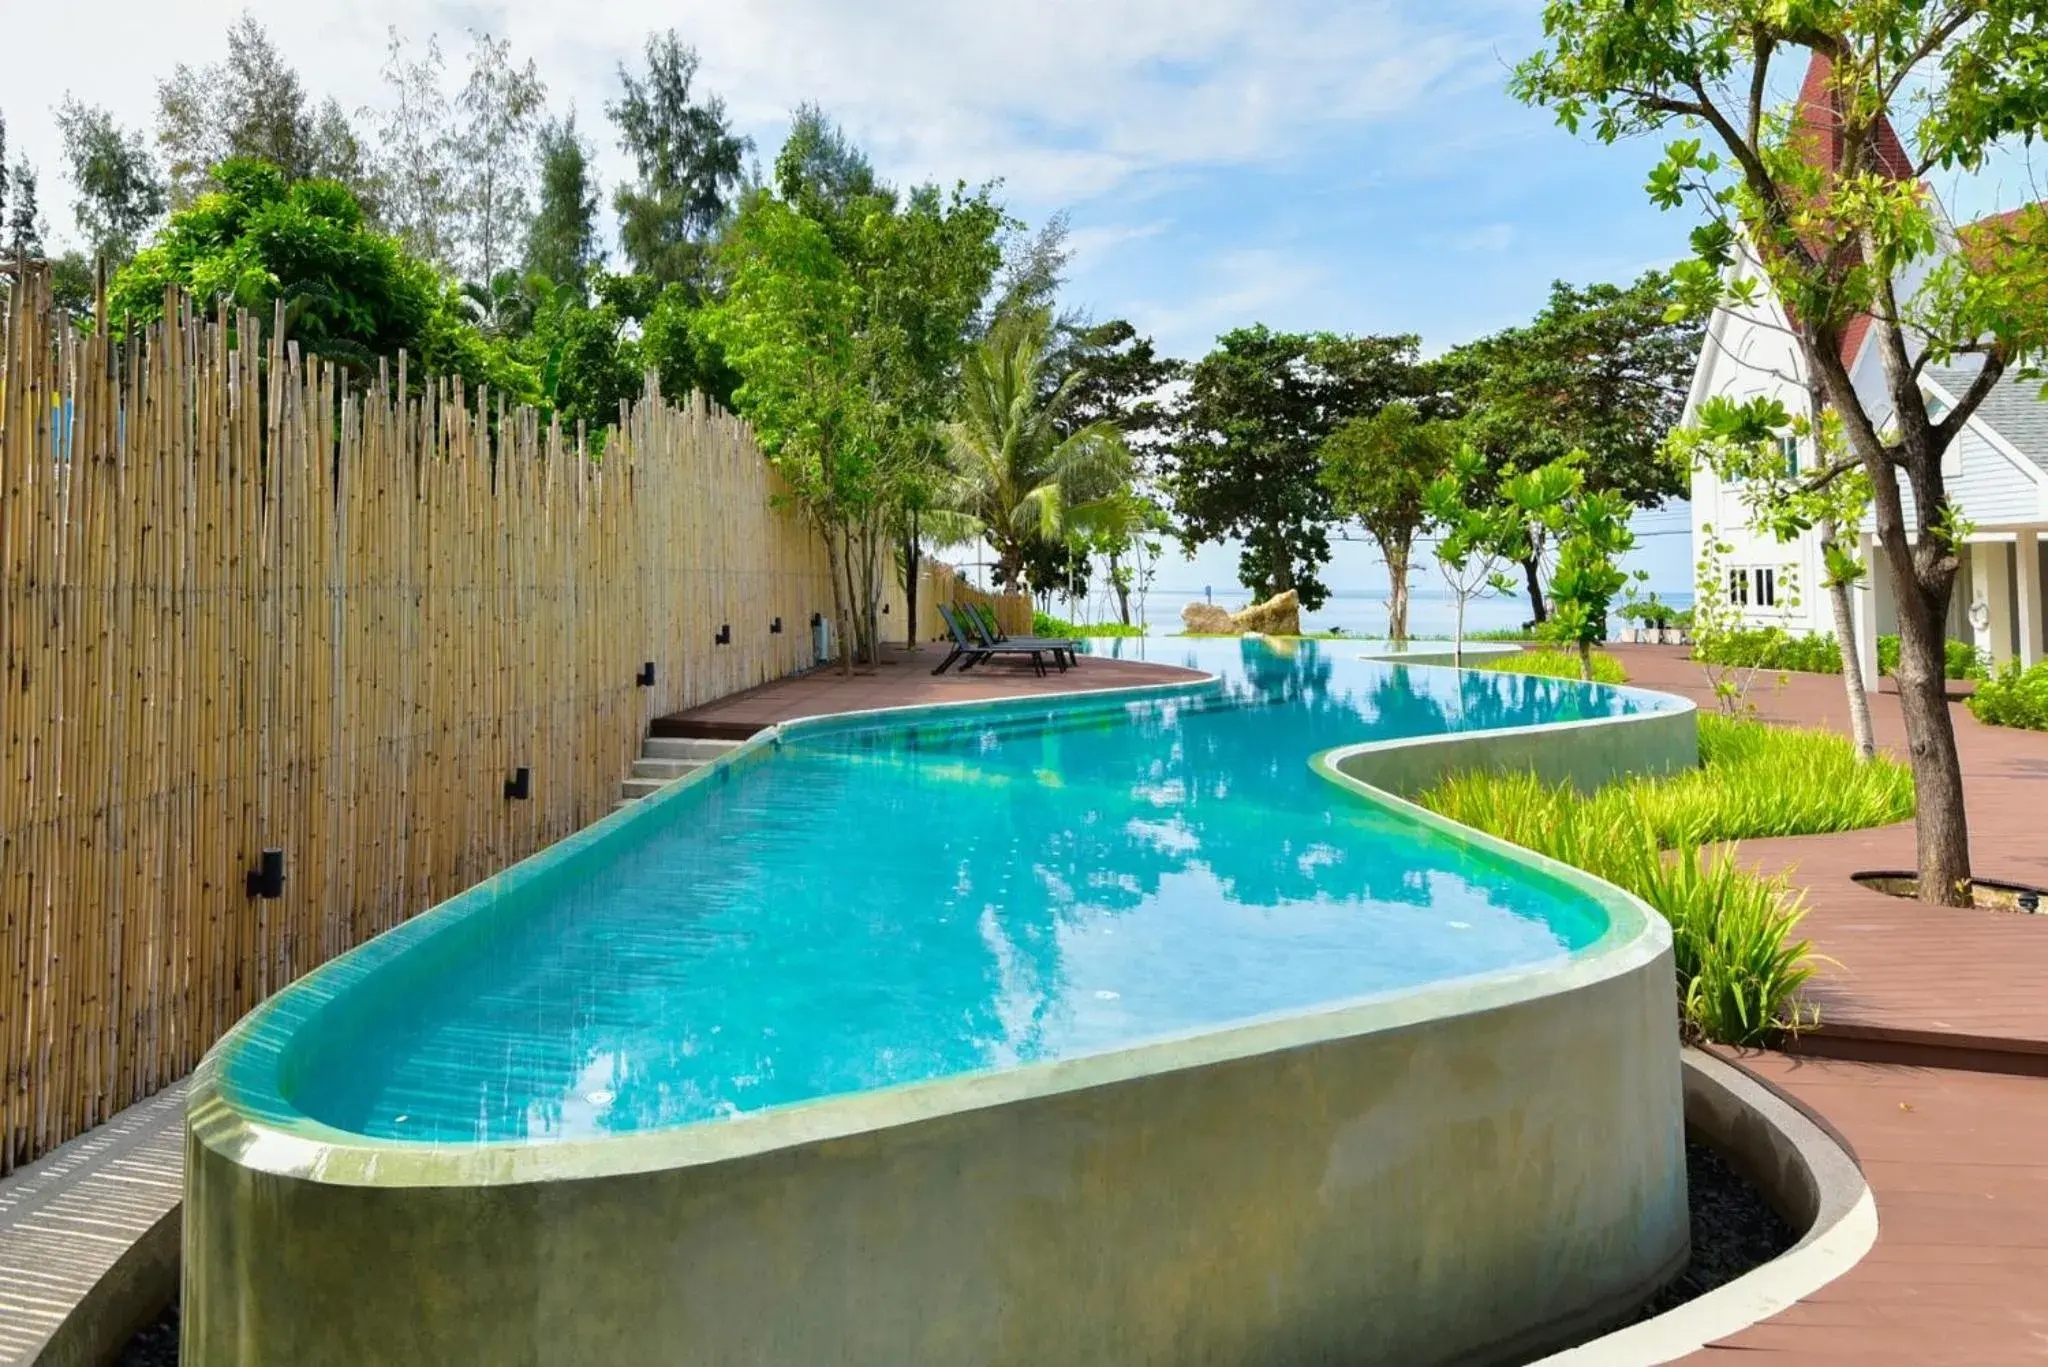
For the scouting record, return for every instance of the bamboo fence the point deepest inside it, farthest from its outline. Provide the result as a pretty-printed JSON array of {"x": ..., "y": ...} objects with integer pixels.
[{"x": 245, "y": 605}]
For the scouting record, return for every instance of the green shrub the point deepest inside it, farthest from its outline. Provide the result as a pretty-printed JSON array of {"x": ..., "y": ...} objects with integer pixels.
[
  {"x": 2013, "y": 697},
  {"x": 1556, "y": 664},
  {"x": 1739, "y": 967},
  {"x": 1045, "y": 624},
  {"x": 1960, "y": 659},
  {"x": 1771, "y": 648}
]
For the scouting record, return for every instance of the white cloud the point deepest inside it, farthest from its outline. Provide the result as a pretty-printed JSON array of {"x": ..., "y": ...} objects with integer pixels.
[
  {"x": 1065, "y": 100},
  {"x": 1091, "y": 244},
  {"x": 1230, "y": 289},
  {"x": 1494, "y": 237}
]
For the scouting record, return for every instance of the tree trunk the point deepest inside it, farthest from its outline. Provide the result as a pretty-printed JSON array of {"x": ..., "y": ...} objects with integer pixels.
[
  {"x": 1532, "y": 570},
  {"x": 1458, "y": 632},
  {"x": 1122, "y": 590},
  {"x": 910, "y": 549},
  {"x": 1852, "y": 664},
  {"x": 835, "y": 560},
  {"x": 1941, "y": 829},
  {"x": 1396, "y": 553},
  {"x": 1586, "y": 661}
]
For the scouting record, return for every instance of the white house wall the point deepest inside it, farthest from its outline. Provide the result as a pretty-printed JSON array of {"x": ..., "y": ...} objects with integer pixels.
[{"x": 1751, "y": 352}]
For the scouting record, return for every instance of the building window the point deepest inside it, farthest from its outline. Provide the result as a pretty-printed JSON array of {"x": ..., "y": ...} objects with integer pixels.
[
  {"x": 1788, "y": 449},
  {"x": 1766, "y": 588},
  {"x": 1738, "y": 588}
]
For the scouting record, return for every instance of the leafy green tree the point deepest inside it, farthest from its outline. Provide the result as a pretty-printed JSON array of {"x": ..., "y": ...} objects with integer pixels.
[
  {"x": 562, "y": 241},
  {"x": 1589, "y": 527},
  {"x": 119, "y": 194},
  {"x": 1822, "y": 206},
  {"x": 1244, "y": 461},
  {"x": 1601, "y": 370},
  {"x": 1378, "y": 469},
  {"x": 1478, "y": 533},
  {"x": 350, "y": 294},
  {"x": 1024, "y": 482},
  {"x": 846, "y": 309},
  {"x": 501, "y": 108},
  {"x": 686, "y": 158}
]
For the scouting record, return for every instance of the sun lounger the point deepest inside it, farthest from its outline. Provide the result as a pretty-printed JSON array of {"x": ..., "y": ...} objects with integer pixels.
[{"x": 970, "y": 651}]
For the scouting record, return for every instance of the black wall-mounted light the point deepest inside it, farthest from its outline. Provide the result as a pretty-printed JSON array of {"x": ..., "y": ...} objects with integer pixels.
[
  {"x": 724, "y": 636},
  {"x": 2030, "y": 900},
  {"x": 775, "y": 627},
  {"x": 519, "y": 787},
  {"x": 266, "y": 880},
  {"x": 885, "y": 609},
  {"x": 817, "y": 619},
  {"x": 646, "y": 676}
]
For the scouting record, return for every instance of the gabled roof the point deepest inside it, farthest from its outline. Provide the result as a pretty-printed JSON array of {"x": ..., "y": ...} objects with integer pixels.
[
  {"x": 2013, "y": 410},
  {"x": 1818, "y": 133}
]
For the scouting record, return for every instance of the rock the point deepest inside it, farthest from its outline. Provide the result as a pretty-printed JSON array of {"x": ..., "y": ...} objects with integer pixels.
[
  {"x": 1206, "y": 619},
  {"x": 1279, "y": 615}
]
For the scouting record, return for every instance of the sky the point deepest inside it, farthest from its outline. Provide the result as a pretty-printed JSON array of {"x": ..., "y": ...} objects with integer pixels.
[{"x": 1351, "y": 166}]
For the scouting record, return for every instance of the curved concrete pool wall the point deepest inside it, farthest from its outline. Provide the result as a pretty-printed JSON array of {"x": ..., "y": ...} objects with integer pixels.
[
  {"x": 1468, "y": 1173},
  {"x": 1584, "y": 754}
]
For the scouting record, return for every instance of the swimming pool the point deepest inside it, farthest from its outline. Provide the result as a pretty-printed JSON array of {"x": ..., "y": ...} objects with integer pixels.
[{"x": 871, "y": 922}]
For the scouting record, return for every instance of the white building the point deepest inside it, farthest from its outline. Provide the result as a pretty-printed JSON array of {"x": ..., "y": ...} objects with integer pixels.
[{"x": 1996, "y": 472}]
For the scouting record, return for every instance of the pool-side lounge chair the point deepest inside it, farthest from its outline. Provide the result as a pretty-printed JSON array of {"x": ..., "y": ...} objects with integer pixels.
[
  {"x": 982, "y": 622},
  {"x": 970, "y": 651}
]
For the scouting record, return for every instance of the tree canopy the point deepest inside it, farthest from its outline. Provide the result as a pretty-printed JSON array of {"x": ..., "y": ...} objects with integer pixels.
[
  {"x": 1818, "y": 207},
  {"x": 1245, "y": 462},
  {"x": 686, "y": 158}
]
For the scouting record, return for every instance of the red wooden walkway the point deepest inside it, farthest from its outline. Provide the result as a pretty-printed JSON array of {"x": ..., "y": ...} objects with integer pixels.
[{"x": 1949, "y": 1121}]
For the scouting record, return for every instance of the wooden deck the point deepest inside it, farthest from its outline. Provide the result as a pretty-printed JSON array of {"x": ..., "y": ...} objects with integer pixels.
[
  {"x": 1948, "y": 1113},
  {"x": 902, "y": 679}
]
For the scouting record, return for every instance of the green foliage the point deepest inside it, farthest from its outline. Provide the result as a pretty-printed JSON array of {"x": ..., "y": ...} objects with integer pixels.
[
  {"x": 1245, "y": 463},
  {"x": 686, "y": 157},
  {"x": 562, "y": 242},
  {"x": 119, "y": 193},
  {"x": 1739, "y": 966},
  {"x": 1378, "y": 469},
  {"x": 1959, "y": 659},
  {"x": 1590, "y": 530},
  {"x": 24, "y": 214},
  {"x": 1045, "y": 624},
  {"x": 350, "y": 294},
  {"x": 1771, "y": 648},
  {"x": 1016, "y": 476},
  {"x": 1557, "y": 664},
  {"x": 2013, "y": 697}
]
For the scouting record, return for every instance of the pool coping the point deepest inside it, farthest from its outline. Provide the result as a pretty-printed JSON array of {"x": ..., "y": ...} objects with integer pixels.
[{"x": 296, "y": 1145}]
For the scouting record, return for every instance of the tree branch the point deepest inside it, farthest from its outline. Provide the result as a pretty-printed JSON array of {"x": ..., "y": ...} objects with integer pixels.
[{"x": 1967, "y": 403}]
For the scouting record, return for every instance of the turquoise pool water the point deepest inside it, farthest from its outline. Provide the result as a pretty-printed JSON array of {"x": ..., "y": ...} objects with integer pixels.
[{"x": 889, "y": 903}]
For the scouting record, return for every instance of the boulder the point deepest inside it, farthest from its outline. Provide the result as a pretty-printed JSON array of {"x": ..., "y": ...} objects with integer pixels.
[
  {"x": 1206, "y": 619},
  {"x": 1279, "y": 615}
]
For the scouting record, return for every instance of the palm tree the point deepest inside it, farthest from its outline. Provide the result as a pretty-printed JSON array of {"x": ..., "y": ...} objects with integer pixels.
[{"x": 1019, "y": 475}]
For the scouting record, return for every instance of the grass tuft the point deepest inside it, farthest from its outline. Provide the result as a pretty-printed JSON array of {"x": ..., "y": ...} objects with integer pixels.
[{"x": 1556, "y": 664}]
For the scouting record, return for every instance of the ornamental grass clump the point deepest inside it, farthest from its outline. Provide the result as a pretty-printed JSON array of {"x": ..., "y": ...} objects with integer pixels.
[
  {"x": 1556, "y": 664},
  {"x": 1739, "y": 963}
]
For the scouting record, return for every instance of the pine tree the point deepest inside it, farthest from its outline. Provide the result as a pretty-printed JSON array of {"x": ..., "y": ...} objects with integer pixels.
[
  {"x": 501, "y": 107},
  {"x": 24, "y": 235},
  {"x": 687, "y": 158},
  {"x": 562, "y": 243}
]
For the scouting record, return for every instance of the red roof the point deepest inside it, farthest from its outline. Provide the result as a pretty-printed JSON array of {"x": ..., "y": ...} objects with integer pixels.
[
  {"x": 1820, "y": 119},
  {"x": 1819, "y": 114}
]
